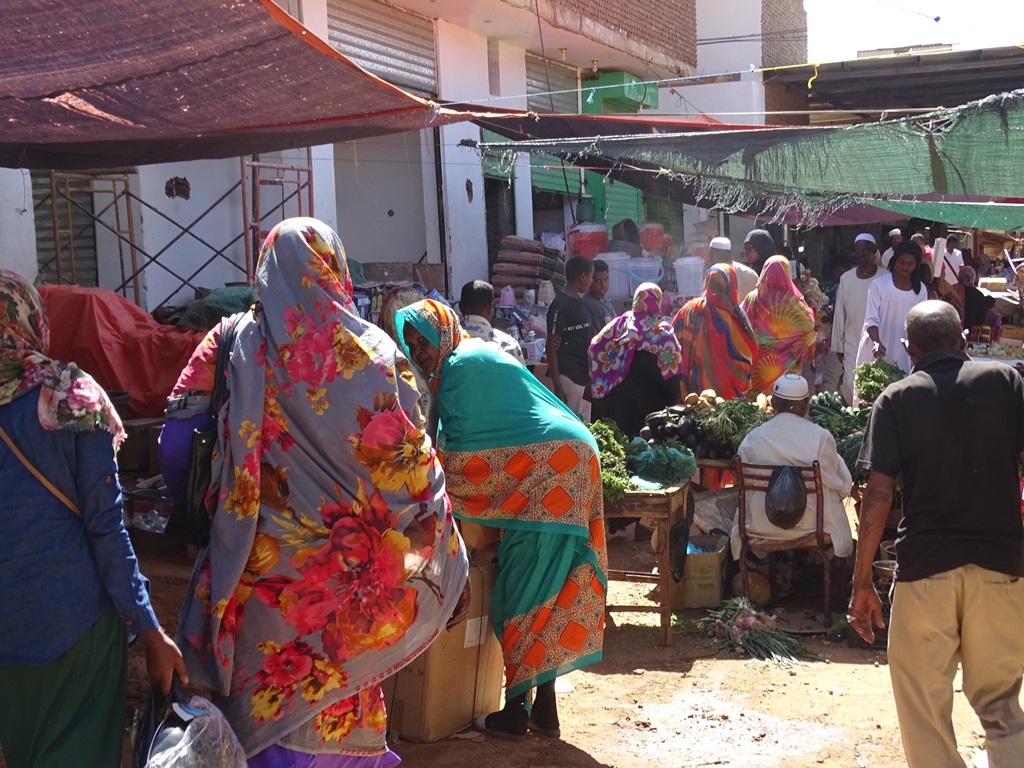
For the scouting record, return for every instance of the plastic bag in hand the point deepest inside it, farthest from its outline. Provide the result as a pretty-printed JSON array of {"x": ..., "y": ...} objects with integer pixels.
[{"x": 176, "y": 734}]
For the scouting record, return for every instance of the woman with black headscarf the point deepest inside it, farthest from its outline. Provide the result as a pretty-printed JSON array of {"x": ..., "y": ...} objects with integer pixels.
[{"x": 759, "y": 247}]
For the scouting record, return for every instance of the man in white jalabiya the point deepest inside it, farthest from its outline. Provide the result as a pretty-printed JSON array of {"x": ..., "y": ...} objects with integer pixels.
[
  {"x": 851, "y": 307},
  {"x": 720, "y": 252},
  {"x": 895, "y": 238},
  {"x": 789, "y": 438}
]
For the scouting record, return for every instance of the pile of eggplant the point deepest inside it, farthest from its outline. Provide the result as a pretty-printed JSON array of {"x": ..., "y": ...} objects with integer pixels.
[{"x": 684, "y": 423}]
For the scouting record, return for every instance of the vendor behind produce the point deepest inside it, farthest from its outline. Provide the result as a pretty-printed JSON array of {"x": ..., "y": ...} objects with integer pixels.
[{"x": 790, "y": 439}]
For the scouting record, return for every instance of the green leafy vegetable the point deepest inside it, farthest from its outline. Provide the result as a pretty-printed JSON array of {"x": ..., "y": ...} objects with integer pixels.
[
  {"x": 871, "y": 378},
  {"x": 828, "y": 411},
  {"x": 611, "y": 445}
]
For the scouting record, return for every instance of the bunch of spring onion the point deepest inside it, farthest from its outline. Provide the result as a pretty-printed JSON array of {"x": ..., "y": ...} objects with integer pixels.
[{"x": 740, "y": 626}]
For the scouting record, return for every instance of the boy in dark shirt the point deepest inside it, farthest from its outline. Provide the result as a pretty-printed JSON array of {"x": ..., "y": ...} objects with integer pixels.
[
  {"x": 600, "y": 309},
  {"x": 569, "y": 328}
]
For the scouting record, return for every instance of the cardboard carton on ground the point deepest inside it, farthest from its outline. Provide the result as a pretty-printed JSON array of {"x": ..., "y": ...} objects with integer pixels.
[
  {"x": 703, "y": 578},
  {"x": 459, "y": 676}
]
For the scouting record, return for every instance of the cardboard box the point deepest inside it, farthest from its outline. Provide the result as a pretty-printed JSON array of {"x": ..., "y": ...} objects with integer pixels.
[
  {"x": 704, "y": 576},
  {"x": 533, "y": 351},
  {"x": 1012, "y": 332},
  {"x": 461, "y": 675}
]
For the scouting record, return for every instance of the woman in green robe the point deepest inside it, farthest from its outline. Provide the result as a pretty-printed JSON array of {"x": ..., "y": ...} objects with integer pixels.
[{"x": 516, "y": 458}]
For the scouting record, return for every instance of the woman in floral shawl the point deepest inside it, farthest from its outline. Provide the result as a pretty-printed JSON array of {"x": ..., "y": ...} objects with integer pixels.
[
  {"x": 333, "y": 560},
  {"x": 516, "y": 458},
  {"x": 717, "y": 340},
  {"x": 635, "y": 364},
  {"x": 783, "y": 326}
]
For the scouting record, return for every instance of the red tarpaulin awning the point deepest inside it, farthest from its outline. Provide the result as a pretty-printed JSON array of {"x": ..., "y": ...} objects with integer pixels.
[{"x": 125, "y": 82}]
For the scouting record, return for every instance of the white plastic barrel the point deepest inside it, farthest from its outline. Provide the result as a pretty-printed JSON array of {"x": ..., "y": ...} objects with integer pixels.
[
  {"x": 689, "y": 276},
  {"x": 643, "y": 269},
  {"x": 618, "y": 277}
]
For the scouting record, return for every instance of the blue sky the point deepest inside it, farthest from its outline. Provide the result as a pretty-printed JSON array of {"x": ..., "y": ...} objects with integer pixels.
[{"x": 837, "y": 29}]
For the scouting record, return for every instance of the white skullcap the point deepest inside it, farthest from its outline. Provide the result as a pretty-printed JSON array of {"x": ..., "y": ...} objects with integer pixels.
[
  {"x": 864, "y": 236},
  {"x": 894, "y": 232},
  {"x": 722, "y": 243},
  {"x": 790, "y": 387}
]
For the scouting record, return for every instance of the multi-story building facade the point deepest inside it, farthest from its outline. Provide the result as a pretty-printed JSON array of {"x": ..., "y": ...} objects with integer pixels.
[{"x": 423, "y": 196}]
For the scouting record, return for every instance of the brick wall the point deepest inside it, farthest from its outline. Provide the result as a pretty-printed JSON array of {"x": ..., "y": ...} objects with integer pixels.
[
  {"x": 781, "y": 98},
  {"x": 784, "y": 32},
  {"x": 666, "y": 26}
]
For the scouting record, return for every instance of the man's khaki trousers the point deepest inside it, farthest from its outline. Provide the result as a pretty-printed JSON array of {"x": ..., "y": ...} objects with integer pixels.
[{"x": 975, "y": 617}]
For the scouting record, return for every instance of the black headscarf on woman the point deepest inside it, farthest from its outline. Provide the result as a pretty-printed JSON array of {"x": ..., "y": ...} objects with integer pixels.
[{"x": 762, "y": 242}]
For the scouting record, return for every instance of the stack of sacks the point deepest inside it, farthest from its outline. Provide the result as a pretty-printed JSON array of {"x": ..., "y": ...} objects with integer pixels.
[{"x": 524, "y": 263}]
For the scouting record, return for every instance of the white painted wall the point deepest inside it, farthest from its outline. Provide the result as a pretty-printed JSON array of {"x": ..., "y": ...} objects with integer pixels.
[
  {"x": 17, "y": 226},
  {"x": 221, "y": 228},
  {"x": 512, "y": 66},
  {"x": 462, "y": 74},
  {"x": 716, "y": 19},
  {"x": 737, "y": 103},
  {"x": 314, "y": 17},
  {"x": 728, "y": 102},
  {"x": 379, "y": 193}
]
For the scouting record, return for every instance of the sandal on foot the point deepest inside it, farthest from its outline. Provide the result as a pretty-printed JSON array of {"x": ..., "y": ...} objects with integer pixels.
[
  {"x": 551, "y": 733},
  {"x": 480, "y": 724}
]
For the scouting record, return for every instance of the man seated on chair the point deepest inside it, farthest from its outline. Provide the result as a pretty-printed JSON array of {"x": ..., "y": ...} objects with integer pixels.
[{"x": 788, "y": 438}]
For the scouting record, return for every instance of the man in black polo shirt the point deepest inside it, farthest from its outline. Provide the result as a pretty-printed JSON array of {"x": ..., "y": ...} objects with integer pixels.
[{"x": 954, "y": 430}]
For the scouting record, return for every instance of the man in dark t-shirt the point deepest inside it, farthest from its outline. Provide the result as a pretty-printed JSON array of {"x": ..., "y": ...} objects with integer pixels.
[
  {"x": 569, "y": 326},
  {"x": 954, "y": 430}
]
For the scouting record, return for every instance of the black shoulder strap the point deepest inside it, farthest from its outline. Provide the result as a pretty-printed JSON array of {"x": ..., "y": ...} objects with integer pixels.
[{"x": 228, "y": 333}]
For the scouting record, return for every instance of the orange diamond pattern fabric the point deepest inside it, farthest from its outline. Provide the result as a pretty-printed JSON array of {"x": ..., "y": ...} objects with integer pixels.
[
  {"x": 517, "y": 459},
  {"x": 565, "y": 631}
]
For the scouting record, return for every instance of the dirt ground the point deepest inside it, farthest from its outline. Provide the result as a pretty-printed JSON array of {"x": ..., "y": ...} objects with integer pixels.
[{"x": 682, "y": 706}]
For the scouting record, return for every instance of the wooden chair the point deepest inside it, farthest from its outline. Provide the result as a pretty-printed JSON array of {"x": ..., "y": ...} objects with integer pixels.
[{"x": 755, "y": 477}]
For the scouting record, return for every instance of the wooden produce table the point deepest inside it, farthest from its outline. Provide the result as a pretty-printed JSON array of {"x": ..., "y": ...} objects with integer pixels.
[{"x": 663, "y": 508}]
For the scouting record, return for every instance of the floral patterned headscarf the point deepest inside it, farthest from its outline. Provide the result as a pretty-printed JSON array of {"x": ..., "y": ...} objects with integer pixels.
[
  {"x": 333, "y": 560},
  {"x": 438, "y": 324},
  {"x": 69, "y": 398},
  {"x": 642, "y": 327}
]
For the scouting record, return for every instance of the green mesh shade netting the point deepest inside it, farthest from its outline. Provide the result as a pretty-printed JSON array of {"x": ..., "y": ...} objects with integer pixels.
[{"x": 974, "y": 151}]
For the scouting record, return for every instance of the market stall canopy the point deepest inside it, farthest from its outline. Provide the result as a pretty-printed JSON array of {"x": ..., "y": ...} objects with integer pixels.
[
  {"x": 808, "y": 174},
  {"x": 907, "y": 78},
  {"x": 527, "y": 126},
  {"x": 124, "y": 82}
]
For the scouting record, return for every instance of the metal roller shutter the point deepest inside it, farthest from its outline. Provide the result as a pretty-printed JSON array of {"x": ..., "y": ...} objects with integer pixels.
[
  {"x": 564, "y": 87},
  {"x": 393, "y": 44},
  {"x": 78, "y": 245},
  {"x": 621, "y": 201}
]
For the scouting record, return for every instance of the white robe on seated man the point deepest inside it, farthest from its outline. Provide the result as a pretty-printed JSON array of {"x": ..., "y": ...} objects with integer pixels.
[{"x": 788, "y": 439}]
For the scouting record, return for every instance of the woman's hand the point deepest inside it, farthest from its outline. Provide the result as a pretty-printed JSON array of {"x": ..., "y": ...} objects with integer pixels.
[
  {"x": 163, "y": 659},
  {"x": 461, "y": 608},
  {"x": 879, "y": 350}
]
